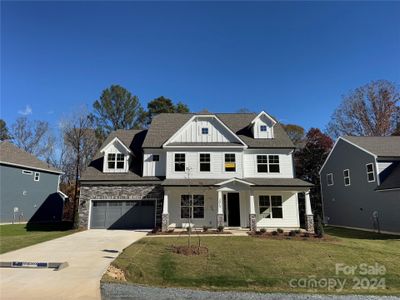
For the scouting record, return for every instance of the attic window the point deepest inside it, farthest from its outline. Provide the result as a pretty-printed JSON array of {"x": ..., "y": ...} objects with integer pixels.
[
  {"x": 263, "y": 128},
  {"x": 204, "y": 130},
  {"x": 116, "y": 161}
]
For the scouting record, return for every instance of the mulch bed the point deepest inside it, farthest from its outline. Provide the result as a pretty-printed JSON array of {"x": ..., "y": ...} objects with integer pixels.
[
  {"x": 186, "y": 233},
  {"x": 286, "y": 236},
  {"x": 188, "y": 251}
]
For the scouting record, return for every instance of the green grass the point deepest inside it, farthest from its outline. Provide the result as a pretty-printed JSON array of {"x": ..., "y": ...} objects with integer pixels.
[
  {"x": 13, "y": 237},
  {"x": 264, "y": 265}
]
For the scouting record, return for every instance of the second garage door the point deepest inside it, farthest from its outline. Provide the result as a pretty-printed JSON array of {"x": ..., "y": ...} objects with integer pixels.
[{"x": 138, "y": 214}]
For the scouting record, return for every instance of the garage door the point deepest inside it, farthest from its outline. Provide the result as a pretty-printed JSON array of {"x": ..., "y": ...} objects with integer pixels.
[{"x": 138, "y": 214}]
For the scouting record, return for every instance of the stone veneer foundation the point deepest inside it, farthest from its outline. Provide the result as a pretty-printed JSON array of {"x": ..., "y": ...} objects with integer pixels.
[{"x": 118, "y": 192}]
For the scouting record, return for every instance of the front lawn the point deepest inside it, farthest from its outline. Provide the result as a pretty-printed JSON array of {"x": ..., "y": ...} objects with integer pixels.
[
  {"x": 264, "y": 265},
  {"x": 16, "y": 236}
]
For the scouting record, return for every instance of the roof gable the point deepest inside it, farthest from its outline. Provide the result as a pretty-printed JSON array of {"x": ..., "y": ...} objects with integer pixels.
[
  {"x": 116, "y": 143},
  {"x": 265, "y": 117},
  {"x": 217, "y": 132}
]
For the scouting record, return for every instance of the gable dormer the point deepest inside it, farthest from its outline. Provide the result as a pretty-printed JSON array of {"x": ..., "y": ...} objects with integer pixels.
[
  {"x": 204, "y": 130},
  {"x": 262, "y": 126},
  {"x": 116, "y": 157}
]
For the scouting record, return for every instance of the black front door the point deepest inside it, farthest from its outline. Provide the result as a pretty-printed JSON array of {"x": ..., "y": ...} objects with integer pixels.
[{"x": 233, "y": 210}]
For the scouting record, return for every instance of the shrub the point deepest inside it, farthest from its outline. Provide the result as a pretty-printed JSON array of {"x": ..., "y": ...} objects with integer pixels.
[
  {"x": 220, "y": 228},
  {"x": 306, "y": 234},
  {"x": 319, "y": 228},
  {"x": 292, "y": 233},
  {"x": 189, "y": 229},
  {"x": 155, "y": 230},
  {"x": 205, "y": 228},
  {"x": 263, "y": 230},
  {"x": 279, "y": 230},
  {"x": 297, "y": 231},
  {"x": 274, "y": 232}
]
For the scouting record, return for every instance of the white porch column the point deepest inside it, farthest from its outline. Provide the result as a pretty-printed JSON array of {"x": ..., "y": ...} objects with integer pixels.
[
  {"x": 165, "y": 215},
  {"x": 309, "y": 214},
  {"x": 220, "y": 212},
  {"x": 252, "y": 213}
]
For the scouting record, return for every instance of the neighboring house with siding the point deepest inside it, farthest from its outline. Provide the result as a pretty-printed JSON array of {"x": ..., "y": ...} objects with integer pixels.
[
  {"x": 360, "y": 182},
  {"x": 234, "y": 170},
  {"x": 29, "y": 188}
]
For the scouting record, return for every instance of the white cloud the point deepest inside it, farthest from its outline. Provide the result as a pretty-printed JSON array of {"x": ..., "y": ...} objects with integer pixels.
[{"x": 25, "y": 112}]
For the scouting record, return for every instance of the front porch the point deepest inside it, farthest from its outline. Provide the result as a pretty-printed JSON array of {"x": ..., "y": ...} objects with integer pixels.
[{"x": 234, "y": 204}]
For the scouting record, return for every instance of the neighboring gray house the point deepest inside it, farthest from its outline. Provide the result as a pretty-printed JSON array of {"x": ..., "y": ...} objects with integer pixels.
[
  {"x": 360, "y": 182},
  {"x": 29, "y": 188},
  {"x": 233, "y": 170}
]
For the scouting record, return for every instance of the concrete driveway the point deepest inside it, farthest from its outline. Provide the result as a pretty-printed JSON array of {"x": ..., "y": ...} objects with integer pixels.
[{"x": 88, "y": 254}]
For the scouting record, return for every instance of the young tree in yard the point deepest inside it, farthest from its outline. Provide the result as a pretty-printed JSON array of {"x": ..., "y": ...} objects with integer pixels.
[
  {"x": 116, "y": 109},
  {"x": 34, "y": 137},
  {"x": 163, "y": 105},
  {"x": 296, "y": 133},
  {"x": 310, "y": 160},
  {"x": 370, "y": 110},
  {"x": 4, "y": 134},
  {"x": 81, "y": 145}
]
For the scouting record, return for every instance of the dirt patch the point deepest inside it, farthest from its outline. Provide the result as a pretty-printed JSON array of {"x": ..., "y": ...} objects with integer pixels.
[
  {"x": 188, "y": 251},
  {"x": 116, "y": 273}
]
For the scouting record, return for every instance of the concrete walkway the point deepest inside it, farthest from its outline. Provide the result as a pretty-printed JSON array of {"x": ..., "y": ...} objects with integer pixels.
[{"x": 88, "y": 254}]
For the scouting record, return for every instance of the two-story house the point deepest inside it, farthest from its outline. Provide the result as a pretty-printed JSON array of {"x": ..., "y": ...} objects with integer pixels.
[
  {"x": 29, "y": 188},
  {"x": 232, "y": 170},
  {"x": 360, "y": 182}
]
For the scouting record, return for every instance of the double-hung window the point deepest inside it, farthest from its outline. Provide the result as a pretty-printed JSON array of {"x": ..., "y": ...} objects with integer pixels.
[
  {"x": 192, "y": 206},
  {"x": 270, "y": 206},
  {"x": 116, "y": 161},
  {"x": 179, "y": 162},
  {"x": 262, "y": 163},
  {"x": 268, "y": 163},
  {"x": 273, "y": 163},
  {"x": 346, "y": 176},
  {"x": 230, "y": 162},
  {"x": 370, "y": 172},
  {"x": 37, "y": 176},
  {"x": 205, "y": 162}
]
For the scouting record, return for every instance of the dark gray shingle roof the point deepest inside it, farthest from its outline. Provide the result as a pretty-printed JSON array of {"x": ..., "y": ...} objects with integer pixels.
[
  {"x": 383, "y": 146},
  {"x": 165, "y": 125},
  {"x": 132, "y": 139},
  {"x": 11, "y": 154},
  {"x": 277, "y": 182}
]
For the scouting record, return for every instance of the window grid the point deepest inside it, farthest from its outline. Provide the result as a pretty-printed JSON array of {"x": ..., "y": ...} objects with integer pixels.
[
  {"x": 268, "y": 163},
  {"x": 192, "y": 206},
  {"x": 270, "y": 206},
  {"x": 263, "y": 128},
  {"x": 204, "y": 130},
  {"x": 346, "y": 177},
  {"x": 230, "y": 162},
  {"x": 205, "y": 162},
  {"x": 370, "y": 172},
  {"x": 179, "y": 162}
]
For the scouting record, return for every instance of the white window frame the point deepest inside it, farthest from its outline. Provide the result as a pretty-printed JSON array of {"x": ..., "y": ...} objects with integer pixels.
[
  {"x": 115, "y": 169},
  {"x": 224, "y": 169},
  {"x": 370, "y": 172},
  {"x": 37, "y": 176},
  {"x": 200, "y": 153},
  {"x": 262, "y": 127},
  {"x": 191, "y": 206},
  {"x": 270, "y": 206},
  {"x": 26, "y": 172},
  {"x": 206, "y": 130},
  {"x": 184, "y": 169},
  {"x": 346, "y": 177},
  {"x": 327, "y": 179}
]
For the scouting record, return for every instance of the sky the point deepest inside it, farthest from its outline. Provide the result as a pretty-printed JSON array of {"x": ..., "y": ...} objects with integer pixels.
[{"x": 294, "y": 60}]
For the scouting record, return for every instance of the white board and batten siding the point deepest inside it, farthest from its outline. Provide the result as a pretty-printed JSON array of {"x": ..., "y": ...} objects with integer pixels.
[
  {"x": 217, "y": 164},
  {"x": 285, "y": 163},
  {"x": 192, "y": 132},
  {"x": 154, "y": 168}
]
